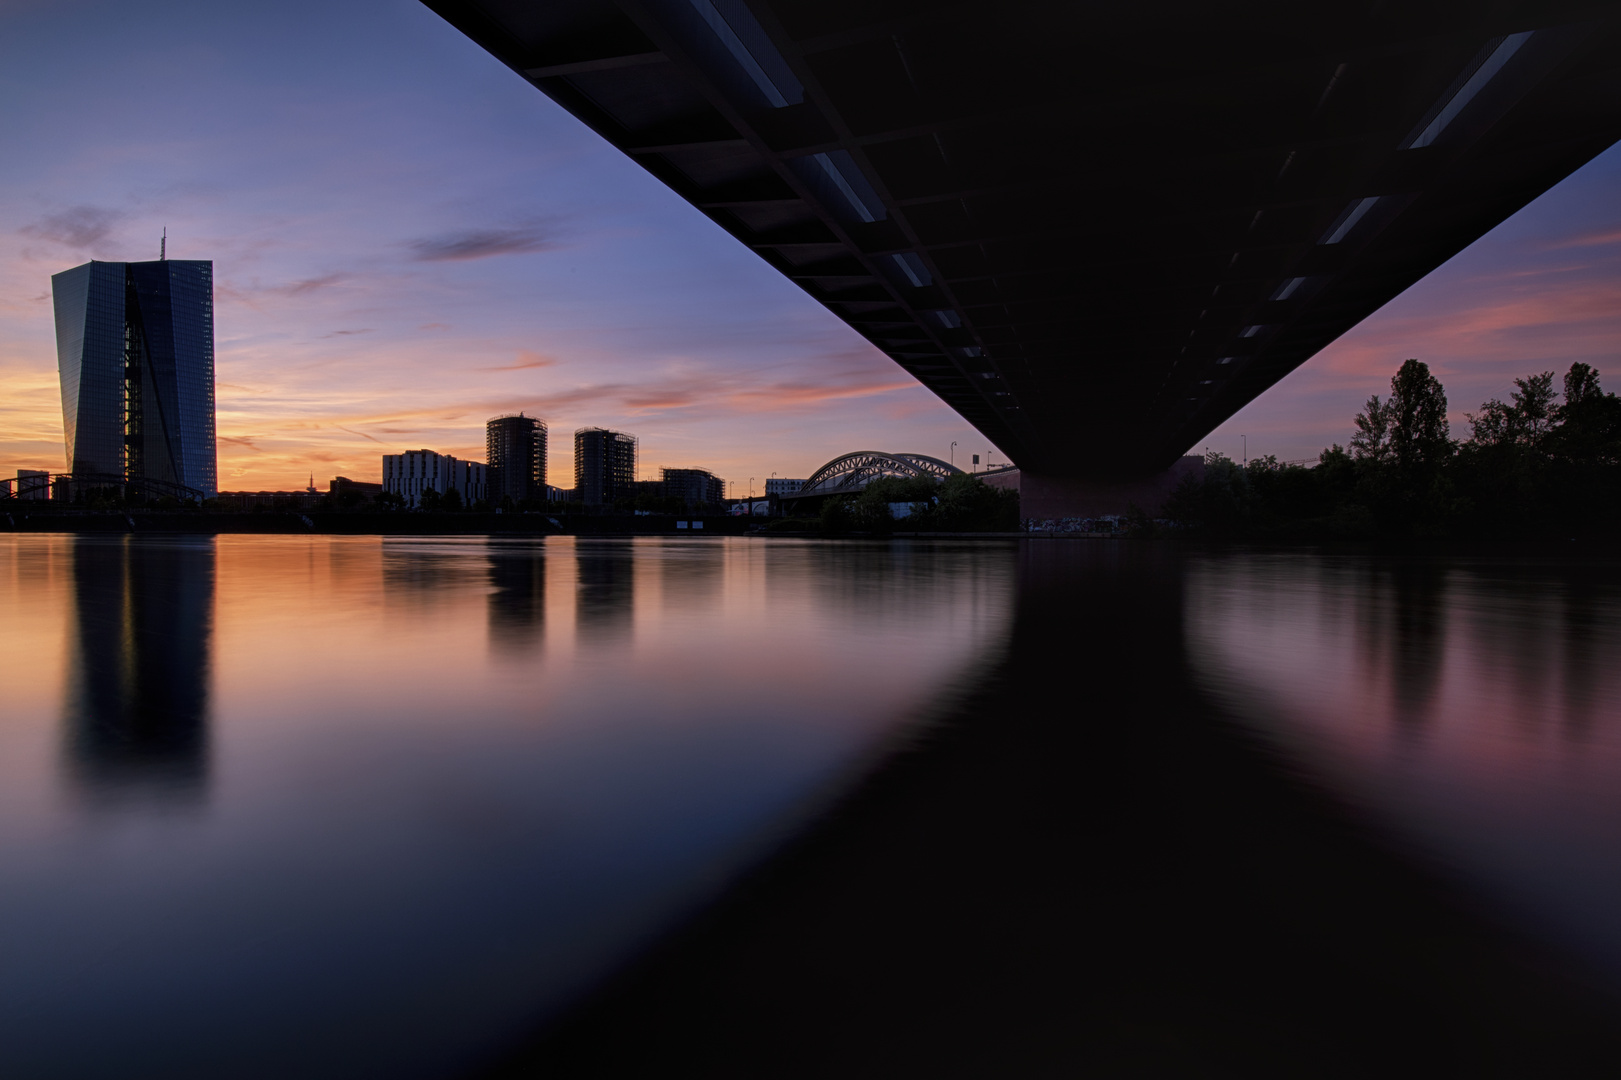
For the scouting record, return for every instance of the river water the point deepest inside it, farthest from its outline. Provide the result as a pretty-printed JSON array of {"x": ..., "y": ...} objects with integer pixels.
[
  {"x": 1468, "y": 707},
  {"x": 354, "y": 806}
]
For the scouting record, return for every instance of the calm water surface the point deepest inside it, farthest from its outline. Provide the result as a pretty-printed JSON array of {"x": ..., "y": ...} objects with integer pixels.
[
  {"x": 320, "y": 806},
  {"x": 324, "y": 806},
  {"x": 1469, "y": 708}
]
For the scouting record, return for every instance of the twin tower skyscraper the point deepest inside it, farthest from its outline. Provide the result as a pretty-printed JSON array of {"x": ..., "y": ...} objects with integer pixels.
[{"x": 135, "y": 352}]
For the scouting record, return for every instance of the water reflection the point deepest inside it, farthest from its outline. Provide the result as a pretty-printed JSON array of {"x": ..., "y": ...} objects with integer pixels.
[
  {"x": 420, "y": 575},
  {"x": 136, "y": 716},
  {"x": 691, "y": 579},
  {"x": 412, "y": 847},
  {"x": 517, "y": 600},
  {"x": 1402, "y": 632},
  {"x": 605, "y": 592},
  {"x": 1471, "y": 706}
]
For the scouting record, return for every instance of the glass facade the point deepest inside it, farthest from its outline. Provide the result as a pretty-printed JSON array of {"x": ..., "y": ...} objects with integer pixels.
[{"x": 135, "y": 353}]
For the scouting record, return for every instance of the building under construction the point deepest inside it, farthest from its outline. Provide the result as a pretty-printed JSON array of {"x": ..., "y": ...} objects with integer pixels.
[
  {"x": 604, "y": 465},
  {"x": 515, "y": 448},
  {"x": 695, "y": 487}
]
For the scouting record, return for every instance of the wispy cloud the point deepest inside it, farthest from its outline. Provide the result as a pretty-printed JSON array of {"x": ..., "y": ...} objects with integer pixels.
[
  {"x": 77, "y": 226},
  {"x": 1611, "y": 235},
  {"x": 482, "y": 244},
  {"x": 526, "y": 360},
  {"x": 351, "y": 333},
  {"x": 308, "y": 285}
]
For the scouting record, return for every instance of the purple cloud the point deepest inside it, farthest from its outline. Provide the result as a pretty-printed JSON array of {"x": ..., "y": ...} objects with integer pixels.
[
  {"x": 77, "y": 226},
  {"x": 481, "y": 244}
]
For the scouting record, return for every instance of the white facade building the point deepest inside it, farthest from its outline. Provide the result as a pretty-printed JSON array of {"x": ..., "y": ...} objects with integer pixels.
[
  {"x": 33, "y": 484},
  {"x": 783, "y": 487},
  {"x": 415, "y": 471}
]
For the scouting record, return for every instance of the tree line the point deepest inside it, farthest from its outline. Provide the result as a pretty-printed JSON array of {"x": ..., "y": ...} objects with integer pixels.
[
  {"x": 1543, "y": 464},
  {"x": 959, "y": 503}
]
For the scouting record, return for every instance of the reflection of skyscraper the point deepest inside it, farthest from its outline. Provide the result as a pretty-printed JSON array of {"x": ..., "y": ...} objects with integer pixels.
[
  {"x": 605, "y": 594},
  {"x": 604, "y": 465},
  {"x": 517, "y": 602},
  {"x": 138, "y": 697},
  {"x": 135, "y": 353},
  {"x": 516, "y": 450}
]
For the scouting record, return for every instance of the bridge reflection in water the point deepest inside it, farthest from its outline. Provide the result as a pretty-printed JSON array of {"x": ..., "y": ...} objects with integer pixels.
[{"x": 1093, "y": 865}]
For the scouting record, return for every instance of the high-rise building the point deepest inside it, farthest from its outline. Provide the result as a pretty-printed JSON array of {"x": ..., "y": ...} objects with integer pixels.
[
  {"x": 695, "y": 487},
  {"x": 516, "y": 448},
  {"x": 604, "y": 465},
  {"x": 135, "y": 352}
]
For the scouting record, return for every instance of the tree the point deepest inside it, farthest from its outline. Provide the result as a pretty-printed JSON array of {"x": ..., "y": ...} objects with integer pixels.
[
  {"x": 965, "y": 503},
  {"x": 1534, "y": 406},
  {"x": 1581, "y": 385},
  {"x": 1419, "y": 433},
  {"x": 1217, "y": 501},
  {"x": 1493, "y": 425},
  {"x": 1524, "y": 421},
  {"x": 1587, "y": 426},
  {"x": 1372, "y": 439}
]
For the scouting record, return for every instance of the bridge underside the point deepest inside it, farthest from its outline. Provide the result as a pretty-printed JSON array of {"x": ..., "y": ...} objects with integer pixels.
[{"x": 1094, "y": 230}]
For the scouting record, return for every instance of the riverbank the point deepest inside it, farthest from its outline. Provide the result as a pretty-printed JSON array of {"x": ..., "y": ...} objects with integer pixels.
[
  {"x": 384, "y": 523},
  {"x": 14, "y": 518}
]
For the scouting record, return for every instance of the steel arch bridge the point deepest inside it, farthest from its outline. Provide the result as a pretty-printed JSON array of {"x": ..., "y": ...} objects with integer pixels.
[
  {"x": 24, "y": 489},
  {"x": 853, "y": 472}
]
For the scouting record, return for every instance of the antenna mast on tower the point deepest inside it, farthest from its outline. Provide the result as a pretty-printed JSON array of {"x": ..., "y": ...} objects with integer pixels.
[{"x": 163, "y": 245}]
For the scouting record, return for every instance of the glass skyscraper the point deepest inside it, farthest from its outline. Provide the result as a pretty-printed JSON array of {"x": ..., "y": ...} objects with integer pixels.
[{"x": 135, "y": 352}]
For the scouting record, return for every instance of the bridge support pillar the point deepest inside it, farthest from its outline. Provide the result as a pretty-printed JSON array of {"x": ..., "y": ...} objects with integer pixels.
[{"x": 1044, "y": 497}]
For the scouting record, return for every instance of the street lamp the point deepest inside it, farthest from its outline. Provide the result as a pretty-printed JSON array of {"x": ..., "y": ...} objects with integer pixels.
[
  {"x": 953, "y": 455},
  {"x": 1246, "y": 439}
]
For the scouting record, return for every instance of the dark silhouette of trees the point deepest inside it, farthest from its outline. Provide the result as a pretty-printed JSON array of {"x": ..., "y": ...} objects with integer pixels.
[
  {"x": 1534, "y": 465},
  {"x": 961, "y": 503},
  {"x": 1419, "y": 435}
]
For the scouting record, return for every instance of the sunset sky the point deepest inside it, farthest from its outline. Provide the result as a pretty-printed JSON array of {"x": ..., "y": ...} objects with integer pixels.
[{"x": 408, "y": 239}]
